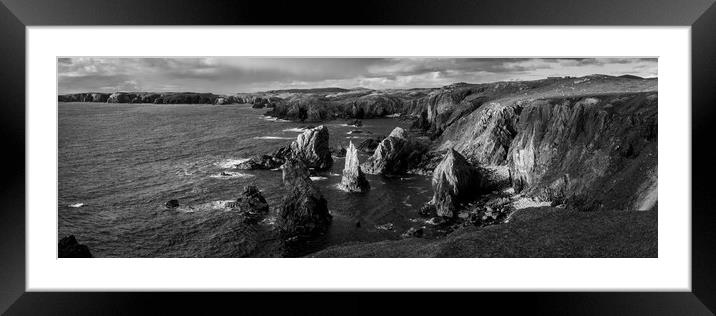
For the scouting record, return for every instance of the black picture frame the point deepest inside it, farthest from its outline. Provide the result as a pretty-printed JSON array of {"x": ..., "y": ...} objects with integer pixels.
[{"x": 16, "y": 15}]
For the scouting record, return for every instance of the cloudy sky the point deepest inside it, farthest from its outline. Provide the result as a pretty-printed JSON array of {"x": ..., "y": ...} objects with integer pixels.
[{"x": 226, "y": 75}]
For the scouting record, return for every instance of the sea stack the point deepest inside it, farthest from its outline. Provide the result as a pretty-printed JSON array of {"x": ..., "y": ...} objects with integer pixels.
[
  {"x": 312, "y": 148},
  {"x": 454, "y": 179},
  {"x": 353, "y": 178},
  {"x": 304, "y": 210},
  {"x": 252, "y": 203},
  {"x": 390, "y": 157}
]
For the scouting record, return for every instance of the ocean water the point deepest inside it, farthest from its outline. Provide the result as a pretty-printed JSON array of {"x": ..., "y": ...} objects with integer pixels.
[{"x": 119, "y": 163}]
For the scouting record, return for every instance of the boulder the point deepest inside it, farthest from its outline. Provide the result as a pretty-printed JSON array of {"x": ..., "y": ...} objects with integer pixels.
[
  {"x": 68, "y": 247},
  {"x": 172, "y": 204},
  {"x": 312, "y": 147},
  {"x": 353, "y": 179},
  {"x": 304, "y": 210},
  {"x": 394, "y": 155}
]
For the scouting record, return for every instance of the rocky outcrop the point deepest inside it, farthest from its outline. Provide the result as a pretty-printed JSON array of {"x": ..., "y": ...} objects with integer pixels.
[
  {"x": 353, "y": 179},
  {"x": 171, "y": 204},
  {"x": 266, "y": 161},
  {"x": 260, "y": 162},
  {"x": 312, "y": 148},
  {"x": 454, "y": 180},
  {"x": 68, "y": 247},
  {"x": 395, "y": 154},
  {"x": 304, "y": 210},
  {"x": 252, "y": 204}
]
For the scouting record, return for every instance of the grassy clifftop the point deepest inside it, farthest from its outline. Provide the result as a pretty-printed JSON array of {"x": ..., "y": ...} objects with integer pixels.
[{"x": 538, "y": 232}]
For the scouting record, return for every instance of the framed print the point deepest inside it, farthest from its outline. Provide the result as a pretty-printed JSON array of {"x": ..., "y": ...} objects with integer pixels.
[{"x": 197, "y": 147}]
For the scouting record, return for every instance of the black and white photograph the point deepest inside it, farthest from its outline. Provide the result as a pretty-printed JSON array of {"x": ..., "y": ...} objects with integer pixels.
[{"x": 395, "y": 157}]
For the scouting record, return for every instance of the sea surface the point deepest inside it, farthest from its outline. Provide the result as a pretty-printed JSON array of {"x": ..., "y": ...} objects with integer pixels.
[{"x": 119, "y": 164}]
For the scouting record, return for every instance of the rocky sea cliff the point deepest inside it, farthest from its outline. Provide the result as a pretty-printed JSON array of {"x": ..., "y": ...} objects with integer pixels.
[{"x": 584, "y": 147}]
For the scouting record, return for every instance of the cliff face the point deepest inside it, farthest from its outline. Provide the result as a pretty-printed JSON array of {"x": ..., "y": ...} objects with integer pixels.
[
  {"x": 84, "y": 97},
  {"x": 601, "y": 146},
  {"x": 157, "y": 98}
]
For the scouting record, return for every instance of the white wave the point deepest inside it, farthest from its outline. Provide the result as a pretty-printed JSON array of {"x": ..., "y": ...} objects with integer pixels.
[
  {"x": 76, "y": 205},
  {"x": 334, "y": 174},
  {"x": 338, "y": 187},
  {"x": 184, "y": 172},
  {"x": 274, "y": 119},
  {"x": 525, "y": 202},
  {"x": 230, "y": 163},
  {"x": 296, "y": 130},
  {"x": 318, "y": 178},
  {"x": 231, "y": 175},
  {"x": 272, "y": 137},
  {"x": 220, "y": 205},
  {"x": 393, "y": 115},
  {"x": 185, "y": 209}
]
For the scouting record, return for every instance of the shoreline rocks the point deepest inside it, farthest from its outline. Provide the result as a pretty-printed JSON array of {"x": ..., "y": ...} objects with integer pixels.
[
  {"x": 353, "y": 179},
  {"x": 266, "y": 162},
  {"x": 68, "y": 247},
  {"x": 304, "y": 210}
]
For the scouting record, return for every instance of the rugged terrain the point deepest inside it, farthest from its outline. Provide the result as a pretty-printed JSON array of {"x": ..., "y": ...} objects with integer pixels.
[{"x": 585, "y": 149}]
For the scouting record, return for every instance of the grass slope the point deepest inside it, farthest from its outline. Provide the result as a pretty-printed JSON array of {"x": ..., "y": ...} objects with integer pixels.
[{"x": 538, "y": 232}]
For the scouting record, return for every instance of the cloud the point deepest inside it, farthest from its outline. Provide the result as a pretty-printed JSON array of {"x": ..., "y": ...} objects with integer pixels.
[{"x": 238, "y": 74}]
